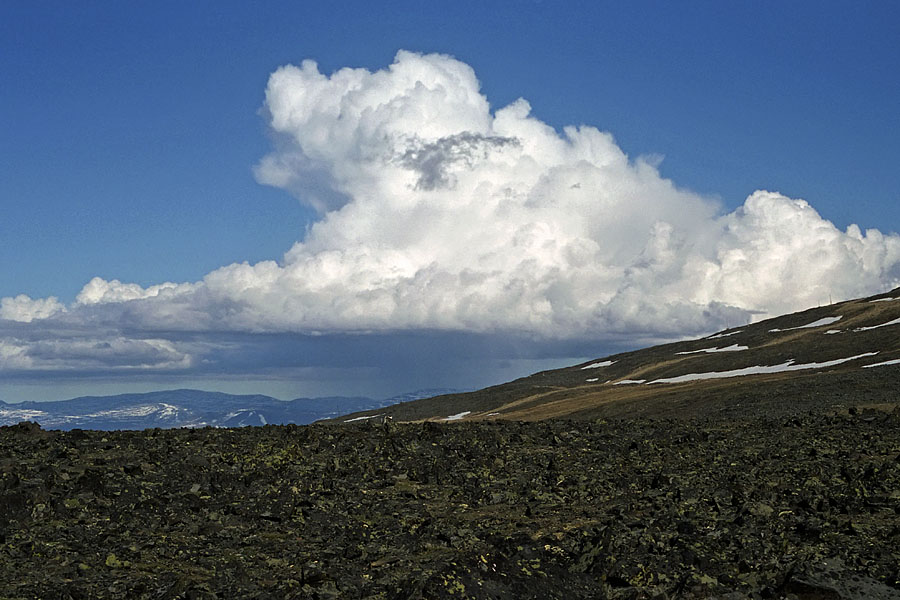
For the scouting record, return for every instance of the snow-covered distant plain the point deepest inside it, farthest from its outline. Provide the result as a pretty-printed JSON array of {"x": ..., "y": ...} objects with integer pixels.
[{"x": 21, "y": 414}]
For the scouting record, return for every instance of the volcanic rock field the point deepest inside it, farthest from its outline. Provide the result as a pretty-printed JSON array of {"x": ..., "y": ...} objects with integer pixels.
[{"x": 803, "y": 506}]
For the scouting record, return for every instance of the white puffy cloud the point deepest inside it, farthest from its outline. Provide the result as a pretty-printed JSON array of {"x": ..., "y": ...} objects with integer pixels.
[
  {"x": 100, "y": 291},
  {"x": 25, "y": 310},
  {"x": 438, "y": 214},
  {"x": 445, "y": 215}
]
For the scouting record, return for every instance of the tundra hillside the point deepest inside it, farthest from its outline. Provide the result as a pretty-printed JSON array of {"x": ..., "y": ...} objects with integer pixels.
[{"x": 827, "y": 358}]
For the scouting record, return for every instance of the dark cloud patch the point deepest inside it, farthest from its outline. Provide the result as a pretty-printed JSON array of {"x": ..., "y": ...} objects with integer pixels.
[
  {"x": 373, "y": 365},
  {"x": 434, "y": 161}
]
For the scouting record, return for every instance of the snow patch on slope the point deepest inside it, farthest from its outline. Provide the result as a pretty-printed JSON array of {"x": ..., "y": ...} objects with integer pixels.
[
  {"x": 732, "y": 348},
  {"x": 756, "y": 370},
  {"x": 896, "y": 361},
  {"x": 597, "y": 365},
  {"x": 819, "y": 323},
  {"x": 721, "y": 335},
  {"x": 894, "y": 322},
  {"x": 362, "y": 418},
  {"x": 458, "y": 416}
]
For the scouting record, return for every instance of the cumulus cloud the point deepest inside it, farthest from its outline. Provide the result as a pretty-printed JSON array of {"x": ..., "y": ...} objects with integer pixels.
[
  {"x": 438, "y": 214},
  {"x": 25, "y": 310},
  {"x": 100, "y": 291}
]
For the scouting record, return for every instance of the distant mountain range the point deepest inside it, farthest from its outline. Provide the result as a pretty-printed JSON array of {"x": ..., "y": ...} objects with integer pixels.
[
  {"x": 189, "y": 408},
  {"x": 826, "y": 359}
]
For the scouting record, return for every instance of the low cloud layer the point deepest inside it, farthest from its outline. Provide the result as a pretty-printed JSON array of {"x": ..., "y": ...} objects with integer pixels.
[{"x": 438, "y": 214}]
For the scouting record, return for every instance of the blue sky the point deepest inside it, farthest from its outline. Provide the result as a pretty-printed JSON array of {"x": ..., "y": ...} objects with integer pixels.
[{"x": 132, "y": 135}]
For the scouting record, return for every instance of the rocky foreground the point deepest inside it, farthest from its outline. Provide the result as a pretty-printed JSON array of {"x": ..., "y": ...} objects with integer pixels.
[{"x": 801, "y": 507}]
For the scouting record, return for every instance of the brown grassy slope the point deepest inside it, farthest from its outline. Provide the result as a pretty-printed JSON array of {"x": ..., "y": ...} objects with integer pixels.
[{"x": 567, "y": 393}]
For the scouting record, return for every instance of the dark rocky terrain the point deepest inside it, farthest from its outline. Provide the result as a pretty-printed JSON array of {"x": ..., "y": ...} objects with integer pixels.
[{"x": 804, "y": 507}]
